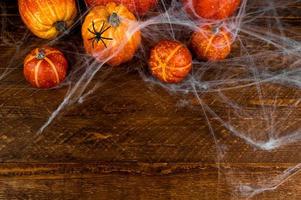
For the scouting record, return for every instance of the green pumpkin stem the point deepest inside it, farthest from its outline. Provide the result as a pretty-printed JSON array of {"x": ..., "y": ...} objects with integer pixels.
[
  {"x": 217, "y": 28},
  {"x": 41, "y": 54},
  {"x": 114, "y": 19},
  {"x": 60, "y": 26}
]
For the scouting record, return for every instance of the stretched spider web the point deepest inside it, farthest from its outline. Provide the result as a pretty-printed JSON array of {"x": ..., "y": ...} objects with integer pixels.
[{"x": 265, "y": 64}]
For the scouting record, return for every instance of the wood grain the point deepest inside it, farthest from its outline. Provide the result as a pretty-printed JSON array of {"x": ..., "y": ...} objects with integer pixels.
[{"x": 131, "y": 139}]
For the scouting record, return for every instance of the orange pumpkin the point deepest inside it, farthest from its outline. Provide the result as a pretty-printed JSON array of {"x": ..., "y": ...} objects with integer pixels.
[
  {"x": 212, "y": 43},
  {"x": 47, "y": 18},
  {"x": 45, "y": 67},
  {"x": 170, "y": 61},
  {"x": 111, "y": 34},
  {"x": 211, "y": 9}
]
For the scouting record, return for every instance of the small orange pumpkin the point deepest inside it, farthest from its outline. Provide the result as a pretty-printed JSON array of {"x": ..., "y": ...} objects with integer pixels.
[
  {"x": 110, "y": 34},
  {"x": 211, "y": 9},
  {"x": 47, "y": 18},
  {"x": 45, "y": 67},
  {"x": 170, "y": 61},
  {"x": 212, "y": 43}
]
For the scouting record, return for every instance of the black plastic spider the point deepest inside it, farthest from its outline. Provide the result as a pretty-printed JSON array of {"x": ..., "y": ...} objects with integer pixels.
[{"x": 98, "y": 34}]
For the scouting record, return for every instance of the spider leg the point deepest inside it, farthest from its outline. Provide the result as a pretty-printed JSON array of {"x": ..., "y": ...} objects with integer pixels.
[
  {"x": 106, "y": 38},
  {"x": 91, "y": 38},
  {"x": 103, "y": 24},
  {"x": 93, "y": 41},
  {"x": 103, "y": 43},
  {"x": 105, "y": 30},
  {"x": 93, "y": 26},
  {"x": 91, "y": 31}
]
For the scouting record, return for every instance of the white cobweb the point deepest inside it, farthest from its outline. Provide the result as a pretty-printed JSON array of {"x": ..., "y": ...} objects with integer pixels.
[{"x": 265, "y": 64}]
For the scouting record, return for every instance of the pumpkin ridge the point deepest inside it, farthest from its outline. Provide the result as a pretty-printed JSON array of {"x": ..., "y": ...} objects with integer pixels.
[
  {"x": 34, "y": 17},
  {"x": 29, "y": 59},
  {"x": 184, "y": 67},
  {"x": 50, "y": 52},
  {"x": 36, "y": 73},
  {"x": 54, "y": 10},
  {"x": 53, "y": 69},
  {"x": 162, "y": 65},
  {"x": 66, "y": 12},
  {"x": 173, "y": 53},
  {"x": 71, "y": 17},
  {"x": 41, "y": 8},
  {"x": 227, "y": 39},
  {"x": 209, "y": 44}
]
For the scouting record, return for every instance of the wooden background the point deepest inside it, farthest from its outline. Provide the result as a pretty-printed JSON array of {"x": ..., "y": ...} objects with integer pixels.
[{"x": 131, "y": 139}]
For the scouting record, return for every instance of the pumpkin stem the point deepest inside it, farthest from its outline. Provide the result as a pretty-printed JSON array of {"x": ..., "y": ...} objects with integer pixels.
[
  {"x": 41, "y": 54},
  {"x": 114, "y": 19},
  {"x": 216, "y": 28},
  {"x": 60, "y": 26}
]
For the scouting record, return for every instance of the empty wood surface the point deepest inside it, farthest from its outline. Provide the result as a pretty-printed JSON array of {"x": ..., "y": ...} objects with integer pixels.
[{"x": 131, "y": 139}]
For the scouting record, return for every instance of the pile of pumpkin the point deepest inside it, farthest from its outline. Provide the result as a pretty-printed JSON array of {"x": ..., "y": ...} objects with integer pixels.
[{"x": 109, "y": 36}]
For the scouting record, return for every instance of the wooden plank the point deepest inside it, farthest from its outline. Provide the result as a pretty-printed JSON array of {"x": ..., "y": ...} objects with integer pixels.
[{"x": 167, "y": 181}]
